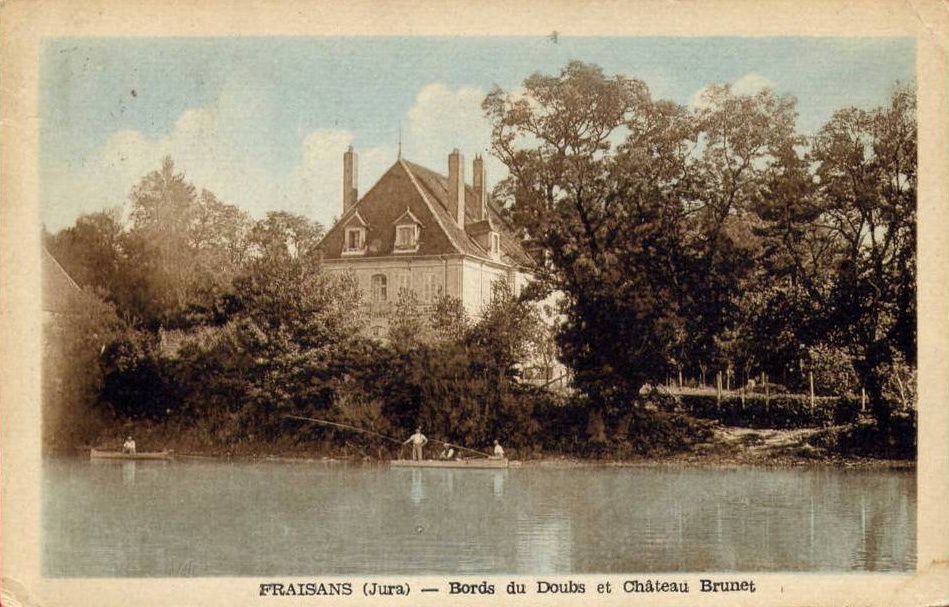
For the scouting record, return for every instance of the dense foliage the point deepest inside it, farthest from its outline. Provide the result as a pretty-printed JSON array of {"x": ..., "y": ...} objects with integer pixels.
[
  {"x": 778, "y": 411},
  {"x": 715, "y": 237},
  {"x": 682, "y": 242}
]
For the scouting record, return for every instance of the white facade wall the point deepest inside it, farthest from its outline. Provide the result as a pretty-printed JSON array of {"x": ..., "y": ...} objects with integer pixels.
[
  {"x": 470, "y": 280},
  {"x": 426, "y": 277},
  {"x": 478, "y": 280}
]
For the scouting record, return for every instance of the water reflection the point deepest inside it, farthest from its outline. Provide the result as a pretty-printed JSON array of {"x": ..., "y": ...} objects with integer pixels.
[
  {"x": 418, "y": 489},
  {"x": 293, "y": 519}
]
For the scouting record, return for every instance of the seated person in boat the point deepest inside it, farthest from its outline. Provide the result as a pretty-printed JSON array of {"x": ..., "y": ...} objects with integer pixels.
[
  {"x": 418, "y": 441},
  {"x": 128, "y": 446},
  {"x": 447, "y": 453},
  {"x": 498, "y": 451}
]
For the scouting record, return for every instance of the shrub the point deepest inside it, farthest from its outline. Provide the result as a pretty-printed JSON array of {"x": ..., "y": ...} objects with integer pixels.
[
  {"x": 561, "y": 424},
  {"x": 772, "y": 389},
  {"x": 138, "y": 382},
  {"x": 833, "y": 370},
  {"x": 758, "y": 411},
  {"x": 864, "y": 438},
  {"x": 652, "y": 425}
]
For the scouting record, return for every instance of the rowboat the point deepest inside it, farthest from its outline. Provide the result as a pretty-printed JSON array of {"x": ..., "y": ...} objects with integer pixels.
[
  {"x": 155, "y": 455},
  {"x": 471, "y": 464}
]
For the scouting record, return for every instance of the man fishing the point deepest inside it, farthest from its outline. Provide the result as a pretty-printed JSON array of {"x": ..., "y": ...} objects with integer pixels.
[{"x": 418, "y": 441}]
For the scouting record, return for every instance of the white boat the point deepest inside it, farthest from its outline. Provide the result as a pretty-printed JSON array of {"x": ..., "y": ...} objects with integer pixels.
[{"x": 471, "y": 464}]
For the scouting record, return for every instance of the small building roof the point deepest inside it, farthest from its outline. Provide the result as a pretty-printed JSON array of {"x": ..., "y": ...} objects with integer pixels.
[{"x": 60, "y": 292}]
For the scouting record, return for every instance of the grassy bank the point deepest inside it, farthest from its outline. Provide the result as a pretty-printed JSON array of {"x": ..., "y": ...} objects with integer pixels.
[{"x": 726, "y": 446}]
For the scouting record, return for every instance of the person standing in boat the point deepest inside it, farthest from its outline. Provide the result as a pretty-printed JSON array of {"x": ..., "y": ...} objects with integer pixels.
[
  {"x": 128, "y": 446},
  {"x": 498, "y": 451},
  {"x": 418, "y": 441}
]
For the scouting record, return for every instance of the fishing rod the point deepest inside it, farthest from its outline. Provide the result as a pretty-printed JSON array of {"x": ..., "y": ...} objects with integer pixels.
[
  {"x": 374, "y": 433},
  {"x": 435, "y": 440},
  {"x": 347, "y": 426}
]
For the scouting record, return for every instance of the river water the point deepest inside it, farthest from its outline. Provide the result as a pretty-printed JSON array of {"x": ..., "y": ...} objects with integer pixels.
[{"x": 213, "y": 518}]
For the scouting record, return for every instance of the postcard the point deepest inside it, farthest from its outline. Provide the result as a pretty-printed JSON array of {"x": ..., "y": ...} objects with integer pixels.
[{"x": 474, "y": 303}]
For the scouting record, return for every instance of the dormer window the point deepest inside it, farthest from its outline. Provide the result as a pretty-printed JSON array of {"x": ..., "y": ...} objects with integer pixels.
[
  {"x": 407, "y": 229},
  {"x": 354, "y": 242},
  {"x": 406, "y": 237}
]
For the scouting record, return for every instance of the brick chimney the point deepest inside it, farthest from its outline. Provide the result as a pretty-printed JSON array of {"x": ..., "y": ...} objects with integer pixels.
[
  {"x": 350, "y": 179},
  {"x": 456, "y": 186},
  {"x": 479, "y": 182}
]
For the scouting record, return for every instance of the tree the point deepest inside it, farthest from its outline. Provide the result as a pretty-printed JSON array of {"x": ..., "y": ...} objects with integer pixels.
[
  {"x": 449, "y": 320},
  {"x": 162, "y": 208},
  {"x": 286, "y": 236},
  {"x": 182, "y": 249},
  {"x": 605, "y": 238},
  {"x": 643, "y": 209},
  {"x": 286, "y": 349},
  {"x": 743, "y": 141},
  {"x": 409, "y": 326},
  {"x": 867, "y": 183},
  {"x": 91, "y": 250}
]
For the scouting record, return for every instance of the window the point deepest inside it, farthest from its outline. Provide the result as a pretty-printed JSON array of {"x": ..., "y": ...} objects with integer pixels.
[
  {"x": 406, "y": 237},
  {"x": 404, "y": 283},
  {"x": 355, "y": 239},
  {"x": 495, "y": 245},
  {"x": 431, "y": 289},
  {"x": 379, "y": 287}
]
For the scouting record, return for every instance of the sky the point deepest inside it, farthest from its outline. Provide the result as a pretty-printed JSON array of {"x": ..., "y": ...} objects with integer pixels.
[{"x": 263, "y": 122}]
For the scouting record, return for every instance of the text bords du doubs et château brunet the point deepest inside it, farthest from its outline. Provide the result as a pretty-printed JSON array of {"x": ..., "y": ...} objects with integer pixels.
[{"x": 487, "y": 588}]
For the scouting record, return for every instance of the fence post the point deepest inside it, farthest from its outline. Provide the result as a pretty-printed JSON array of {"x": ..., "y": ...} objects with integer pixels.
[
  {"x": 718, "y": 388},
  {"x": 810, "y": 375},
  {"x": 767, "y": 395},
  {"x": 863, "y": 399},
  {"x": 899, "y": 383}
]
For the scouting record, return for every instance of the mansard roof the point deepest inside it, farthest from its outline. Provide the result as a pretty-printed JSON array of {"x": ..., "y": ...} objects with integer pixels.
[{"x": 422, "y": 192}]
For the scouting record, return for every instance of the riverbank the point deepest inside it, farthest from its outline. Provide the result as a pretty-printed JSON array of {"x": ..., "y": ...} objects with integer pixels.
[{"x": 728, "y": 446}]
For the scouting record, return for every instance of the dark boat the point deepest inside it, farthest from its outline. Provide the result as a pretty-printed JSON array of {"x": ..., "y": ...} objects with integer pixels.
[{"x": 155, "y": 455}]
